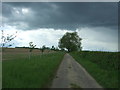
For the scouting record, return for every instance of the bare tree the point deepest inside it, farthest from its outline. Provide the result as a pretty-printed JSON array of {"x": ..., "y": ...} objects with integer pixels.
[{"x": 6, "y": 39}]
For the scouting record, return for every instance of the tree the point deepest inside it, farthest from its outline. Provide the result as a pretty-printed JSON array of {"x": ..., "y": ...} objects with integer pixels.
[
  {"x": 7, "y": 38},
  {"x": 53, "y": 48},
  {"x": 43, "y": 48},
  {"x": 31, "y": 47},
  {"x": 70, "y": 41}
]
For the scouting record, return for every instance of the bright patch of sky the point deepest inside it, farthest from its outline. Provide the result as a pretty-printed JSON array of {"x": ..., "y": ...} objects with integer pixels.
[{"x": 25, "y": 10}]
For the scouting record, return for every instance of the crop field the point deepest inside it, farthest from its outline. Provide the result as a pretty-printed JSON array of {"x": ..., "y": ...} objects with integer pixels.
[
  {"x": 103, "y": 66},
  {"x": 9, "y": 53},
  {"x": 18, "y": 71}
]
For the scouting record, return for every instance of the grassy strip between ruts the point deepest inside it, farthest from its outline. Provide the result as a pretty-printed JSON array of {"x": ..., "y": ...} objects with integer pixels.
[
  {"x": 103, "y": 66},
  {"x": 34, "y": 73}
]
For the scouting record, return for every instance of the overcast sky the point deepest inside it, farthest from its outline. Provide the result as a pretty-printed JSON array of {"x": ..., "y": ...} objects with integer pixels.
[{"x": 44, "y": 23}]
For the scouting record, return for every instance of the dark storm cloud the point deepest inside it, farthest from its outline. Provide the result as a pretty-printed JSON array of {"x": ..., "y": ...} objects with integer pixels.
[{"x": 61, "y": 15}]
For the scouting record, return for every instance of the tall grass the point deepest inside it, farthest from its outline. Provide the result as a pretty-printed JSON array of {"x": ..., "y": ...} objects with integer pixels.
[
  {"x": 103, "y": 66},
  {"x": 34, "y": 73}
]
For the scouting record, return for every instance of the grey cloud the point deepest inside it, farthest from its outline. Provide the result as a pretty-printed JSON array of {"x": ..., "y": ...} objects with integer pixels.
[
  {"x": 99, "y": 39},
  {"x": 63, "y": 15}
]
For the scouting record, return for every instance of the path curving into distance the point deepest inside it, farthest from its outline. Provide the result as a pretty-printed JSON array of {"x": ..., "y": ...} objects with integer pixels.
[{"x": 72, "y": 74}]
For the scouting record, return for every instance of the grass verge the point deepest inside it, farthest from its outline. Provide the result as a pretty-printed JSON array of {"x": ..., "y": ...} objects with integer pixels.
[
  {"x": 34, "y": 73},
  {"x": 103, "y": 66}
]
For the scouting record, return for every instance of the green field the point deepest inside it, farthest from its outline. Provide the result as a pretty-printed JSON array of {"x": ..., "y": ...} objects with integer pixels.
[
  {"x": 103, "y": 66},
  {"x": 34, "y": 73}
]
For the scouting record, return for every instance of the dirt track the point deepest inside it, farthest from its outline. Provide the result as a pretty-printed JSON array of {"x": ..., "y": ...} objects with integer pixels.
[{"x": 71, "y": 74}]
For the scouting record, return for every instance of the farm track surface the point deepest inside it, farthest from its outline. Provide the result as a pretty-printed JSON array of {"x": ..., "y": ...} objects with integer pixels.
[{"x": 72, "y": 75}]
